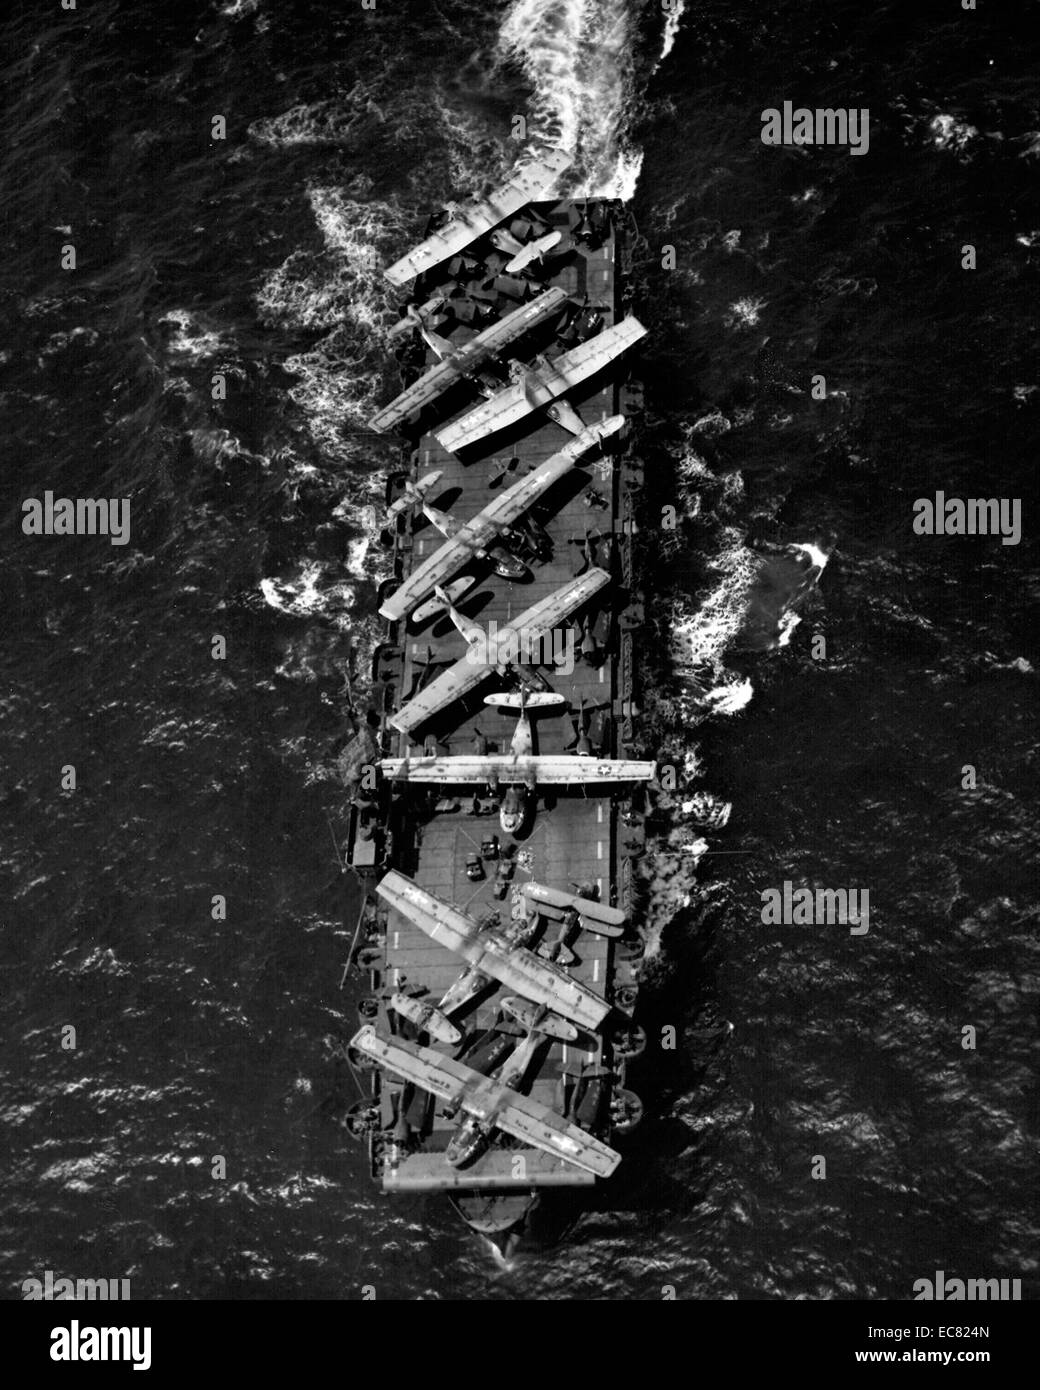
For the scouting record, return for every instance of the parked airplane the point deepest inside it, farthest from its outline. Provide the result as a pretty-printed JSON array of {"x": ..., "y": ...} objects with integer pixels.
[
  {"x": 487, "y": 1104},
  {"x": 531, "y": 184},
  {"x": 497, "y": 655},
  {"x": 415, "y": 495},
  {"x": 595, "y": 916},
  {"x": 521, "y": 770},
  {"x": 464, "y": 360},
  {"x": 523, "y": 253},
  {"x": 427, "y": 1017},
  {"x": 540, "y": 386},
  {"x": 472, "y": 540},
  {"x": 417, "y": 314},
  {"x": 491, "y": 952}
]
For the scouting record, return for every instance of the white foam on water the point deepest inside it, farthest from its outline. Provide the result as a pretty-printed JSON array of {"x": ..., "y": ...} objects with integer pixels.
[
  {"x": 818, "y": 557},
  {"x": 477, "y": 158},
  {"x": 948, "y": 133},
  {"x": 314, "y": 123},
  {"x": 190, "y": 340},
  {"x": 729, "y": 697},
  {"x": 703, "y": 633},
  {"x": 577, "y": 54},
  {"x": 339, "y": 289},
  {"x": 672, "y": 20},
  {"x": 786, "y": 627},
  {"x": 744, "y": 313},
  {"x": 501, "y": 1261},
  {"x": 360, "y": 562},
  {"x": 236, "y": 9},
  {"x": 315, "y": 590}
]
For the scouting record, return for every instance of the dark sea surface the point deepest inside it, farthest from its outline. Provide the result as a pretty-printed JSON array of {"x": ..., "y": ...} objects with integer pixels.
[{"x": 248, "y": 267}]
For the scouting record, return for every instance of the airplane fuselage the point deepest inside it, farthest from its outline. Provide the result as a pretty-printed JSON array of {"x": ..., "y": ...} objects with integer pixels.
[
  {"x": 512, "y": 810},
  {"x": 468, "y": 1142}
]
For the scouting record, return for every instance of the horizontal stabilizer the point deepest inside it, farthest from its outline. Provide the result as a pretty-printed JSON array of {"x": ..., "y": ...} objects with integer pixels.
[
  {"x": 413, "y": 493},
  {"x": 533, "y": 251},
  {"x": 513, "y": 699},
  {"x": 456, "y": 590}
]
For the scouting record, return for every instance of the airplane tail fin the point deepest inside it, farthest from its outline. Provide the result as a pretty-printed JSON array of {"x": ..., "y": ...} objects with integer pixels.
[{"x": 435, "y": 342}]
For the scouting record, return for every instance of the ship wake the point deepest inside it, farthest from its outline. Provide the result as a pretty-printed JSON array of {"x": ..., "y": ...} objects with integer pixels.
[{"x": 577, "y": 55}]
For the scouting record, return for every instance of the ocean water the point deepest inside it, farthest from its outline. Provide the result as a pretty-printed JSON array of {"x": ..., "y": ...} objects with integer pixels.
[{"x": 213, "y": 356}]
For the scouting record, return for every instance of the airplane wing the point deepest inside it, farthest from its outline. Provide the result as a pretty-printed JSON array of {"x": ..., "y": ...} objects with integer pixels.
[
  {"x": 529, "y": 185},
  {"x": 518, "y": 321},
  {"x": 541, "y": 982},
  {"x": 567, "y": 769},
  {"x": 410, "y": 402},
  {"x": 514, "y": 966},
  {"x": 439, "y": 920},
  {"x": 516, "y": 1114},
  {"x": 549, "y": 769},
  {"x": 451, "y": 770},
  {"x": 509, "y": 405},
  {"x": 468, "y": 357},
  {"x": 543, "y": 385},
  {"x": 429, "y": 1070},
  {"x": 537, "y": 620},
  {"x": 528, "y": 629},
  {"x": 533, "y": 251},
  {"x": 536, "y": 1124},
  {"x": 443, "y": 690},
  {"x": 590, "y": 357}
]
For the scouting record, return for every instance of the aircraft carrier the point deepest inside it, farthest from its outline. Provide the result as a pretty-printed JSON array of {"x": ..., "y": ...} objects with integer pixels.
[{"x": 499, "y": 787}]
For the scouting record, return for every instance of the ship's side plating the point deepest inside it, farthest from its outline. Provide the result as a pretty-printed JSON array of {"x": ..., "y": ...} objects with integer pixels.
[{"x": 582, "y": 838}]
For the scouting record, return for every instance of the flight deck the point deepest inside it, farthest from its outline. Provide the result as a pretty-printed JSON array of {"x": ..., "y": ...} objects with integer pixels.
[{"x": 582, "y": 837}]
